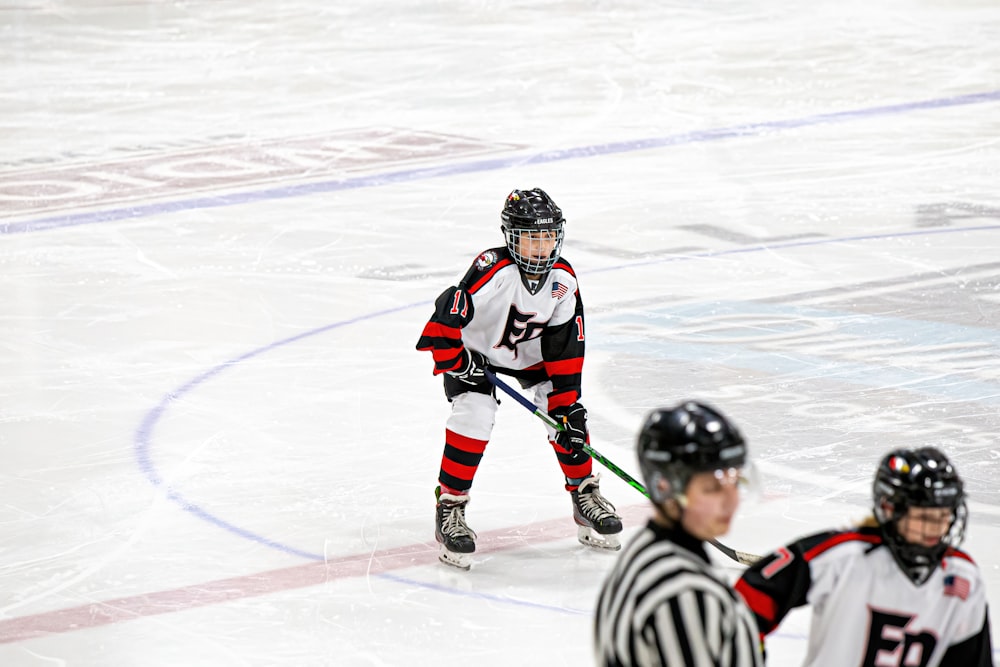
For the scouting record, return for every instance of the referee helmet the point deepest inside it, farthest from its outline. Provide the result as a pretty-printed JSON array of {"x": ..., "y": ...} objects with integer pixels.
[{"x": 692, "y": 437}]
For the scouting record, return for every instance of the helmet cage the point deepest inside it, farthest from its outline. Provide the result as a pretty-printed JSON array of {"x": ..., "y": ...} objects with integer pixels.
[
  {"x": 918, "y": 561},
  {"x": 920, "y": 478},
  {"x": 528, "y": 264},
  {"x": 527, "y": 212}
]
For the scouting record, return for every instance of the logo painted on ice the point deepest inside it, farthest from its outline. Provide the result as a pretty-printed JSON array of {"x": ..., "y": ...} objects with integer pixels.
[{"x": 519, "y": 328}]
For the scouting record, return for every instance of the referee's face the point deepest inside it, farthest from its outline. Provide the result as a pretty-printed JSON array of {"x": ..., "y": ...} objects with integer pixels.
[{"x": 712, "y": 499}]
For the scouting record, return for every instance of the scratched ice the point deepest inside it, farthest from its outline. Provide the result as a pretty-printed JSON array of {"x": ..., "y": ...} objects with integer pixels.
[{"x": 222, "y": 226}]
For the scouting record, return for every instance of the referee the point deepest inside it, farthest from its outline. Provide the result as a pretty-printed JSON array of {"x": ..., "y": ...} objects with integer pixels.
[{"x": 663, "y": 603}]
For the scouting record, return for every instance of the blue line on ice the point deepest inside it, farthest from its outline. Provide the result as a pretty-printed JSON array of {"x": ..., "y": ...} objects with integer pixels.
[{"x": 597, "y": 150}]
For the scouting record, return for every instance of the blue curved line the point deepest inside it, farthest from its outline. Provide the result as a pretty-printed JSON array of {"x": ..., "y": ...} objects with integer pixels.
[
  {"x": 422, "y": 173},
  {"x": 145, "y": 430},
  {"x": 147, "y": 426},
  {"x": 144, "y": 433}
]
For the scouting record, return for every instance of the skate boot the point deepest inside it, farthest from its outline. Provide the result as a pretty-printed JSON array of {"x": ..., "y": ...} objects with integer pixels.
[
  {"x": 458, "y": 541},
  {"x": 597, "y": 524}
]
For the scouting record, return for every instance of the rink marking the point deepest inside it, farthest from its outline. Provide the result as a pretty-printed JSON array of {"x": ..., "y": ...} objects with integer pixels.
[
  {"x": 316, "y": 573},
  {"x": 743, "y": 131},
  {"x": 230, "y": 166}
]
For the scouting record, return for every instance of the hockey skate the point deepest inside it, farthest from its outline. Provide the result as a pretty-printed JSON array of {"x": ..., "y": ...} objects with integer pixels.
[
  {"x": 458, "y": 541},
  {"x": 597, "y": 524}
]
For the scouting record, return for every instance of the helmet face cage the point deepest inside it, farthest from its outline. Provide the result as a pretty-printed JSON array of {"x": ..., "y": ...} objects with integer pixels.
[
  {"x": 526, "y": 214},
  {"x": 918, "y": 478},
  {"x": 532, "y": 265},
  {"x": 678, "y": 442}
]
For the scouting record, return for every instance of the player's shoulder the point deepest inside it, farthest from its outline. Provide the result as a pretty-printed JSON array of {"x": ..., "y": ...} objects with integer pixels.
[
  {"x": 490, "y": 259},
  {"x": 485, "y": 266},
  {"x": 960, "y": 561},
  {"x": 839, "y": 543},
  {"x": 562, "y": 264},
  {"x": 563, "y": 278}
]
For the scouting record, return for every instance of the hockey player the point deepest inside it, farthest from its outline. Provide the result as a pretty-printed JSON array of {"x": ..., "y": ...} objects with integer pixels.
[
  {"x": 664, "y": 603},
  {"x": 517, "y": 311},
  {"x": 893, "y": 592}
]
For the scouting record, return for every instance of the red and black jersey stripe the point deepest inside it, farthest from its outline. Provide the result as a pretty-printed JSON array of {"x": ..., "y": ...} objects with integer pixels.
[
  {"x": 442, "y": 335},
  {"x": 780, "y": 582}
]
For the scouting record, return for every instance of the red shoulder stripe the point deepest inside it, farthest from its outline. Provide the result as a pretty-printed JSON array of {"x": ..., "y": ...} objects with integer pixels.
[
  {"x": 560, "y": 264},
  {"x": 840, "y": 538},
  {"x": 488, "y": 275},
  {"x": 957, "y": 553}
]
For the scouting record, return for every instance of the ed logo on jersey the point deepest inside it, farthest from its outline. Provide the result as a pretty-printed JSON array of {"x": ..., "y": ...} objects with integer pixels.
[
  {"x": 889, "y": 645},
  {"x": 519, "y": 328}
]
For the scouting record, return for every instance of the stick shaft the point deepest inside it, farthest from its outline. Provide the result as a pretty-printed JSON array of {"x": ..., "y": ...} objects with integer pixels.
[{"x": 738, "y": 556}]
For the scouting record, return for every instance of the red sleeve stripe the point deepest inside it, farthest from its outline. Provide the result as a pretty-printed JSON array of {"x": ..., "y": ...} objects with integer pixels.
[
  {"x": 562, "y": 399},
  {"x": 438, "y": 330},
  {"x": 840, "y": 538},
  {"x": 489, "y": 274},
  {"x": 445, "y": 361},
  {"x": 572, "y": 366},
  {"x": 759, "y": 603}
]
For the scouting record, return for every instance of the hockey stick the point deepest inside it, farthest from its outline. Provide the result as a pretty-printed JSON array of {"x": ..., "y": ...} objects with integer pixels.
[
  {"x": 741, "y": 557},
  {"x": 596, "y": 455}
]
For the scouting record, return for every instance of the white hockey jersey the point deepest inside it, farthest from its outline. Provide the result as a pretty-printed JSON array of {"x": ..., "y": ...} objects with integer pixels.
[
  {"x": 532, "y": 331},
  {"x": 865, "y": 610}
]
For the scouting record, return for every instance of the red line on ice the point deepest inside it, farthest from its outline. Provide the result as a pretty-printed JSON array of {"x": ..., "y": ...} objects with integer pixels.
[{"x": 133, "y": 607}]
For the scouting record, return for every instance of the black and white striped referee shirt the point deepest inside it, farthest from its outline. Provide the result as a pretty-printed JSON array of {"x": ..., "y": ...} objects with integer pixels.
[{"x": 664, "y": 604}]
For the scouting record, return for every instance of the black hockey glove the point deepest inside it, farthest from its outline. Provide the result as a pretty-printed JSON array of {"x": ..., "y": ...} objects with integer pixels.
[
  {"x": 573, "y": 419},
  {"x": 471, "y": 369}
]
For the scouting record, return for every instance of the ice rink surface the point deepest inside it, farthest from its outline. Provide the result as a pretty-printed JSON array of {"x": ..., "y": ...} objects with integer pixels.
[{"x": 223, "y": 224}]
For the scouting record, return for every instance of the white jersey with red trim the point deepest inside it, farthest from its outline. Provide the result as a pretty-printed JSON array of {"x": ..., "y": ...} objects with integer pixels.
[
  {"x": 532, "y": 331},
  {"x": 865, "y": 611},
  {"x": 509, "y": 318}
]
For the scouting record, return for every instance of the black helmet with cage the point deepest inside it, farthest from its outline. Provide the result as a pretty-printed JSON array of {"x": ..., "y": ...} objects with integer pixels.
[
  {"x": 531, "y": 211},
  {"x": 922, "y": 477},
  {"x": 675, "y": 443}
]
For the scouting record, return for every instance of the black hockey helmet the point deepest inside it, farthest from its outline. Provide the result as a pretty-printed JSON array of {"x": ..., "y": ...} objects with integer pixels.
[
  {"x": 531, "y": 211},
  {"x": 675, "y": 443},
  {"x": 918, "y": 478}
]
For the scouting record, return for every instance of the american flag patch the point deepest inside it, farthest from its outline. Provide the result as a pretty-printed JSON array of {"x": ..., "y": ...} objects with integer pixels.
[
  {"x": 956, "y": 586},
  {"x": 558, "y": 290}
]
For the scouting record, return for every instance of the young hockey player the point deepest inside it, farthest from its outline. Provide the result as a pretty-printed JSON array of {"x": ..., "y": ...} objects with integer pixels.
[
  {"x": 518, "y": 312},
  {"x": 664, "y": 603},
  {"x": 893, "y": 592}
]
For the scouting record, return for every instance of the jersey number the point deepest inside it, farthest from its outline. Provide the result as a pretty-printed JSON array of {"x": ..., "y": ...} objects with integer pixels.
[
  {"x": 784, "y": 557},
  {"x": 459, "y": 301}
]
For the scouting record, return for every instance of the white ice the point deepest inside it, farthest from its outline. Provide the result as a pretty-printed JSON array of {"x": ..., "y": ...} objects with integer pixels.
[{"x": 222, "y": 226}]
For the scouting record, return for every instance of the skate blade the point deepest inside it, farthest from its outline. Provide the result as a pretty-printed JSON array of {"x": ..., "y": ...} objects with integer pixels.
[
  {"x": 461, "y": 561},
  {"x": 591, "y": 538}
]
